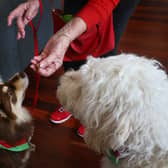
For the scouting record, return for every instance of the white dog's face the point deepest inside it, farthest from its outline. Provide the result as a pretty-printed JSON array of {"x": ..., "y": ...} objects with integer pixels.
[{"x": 116, "y": 99}]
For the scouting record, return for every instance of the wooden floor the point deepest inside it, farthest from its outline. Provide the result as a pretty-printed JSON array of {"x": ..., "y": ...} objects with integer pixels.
[{"x": 58, "y": 145}]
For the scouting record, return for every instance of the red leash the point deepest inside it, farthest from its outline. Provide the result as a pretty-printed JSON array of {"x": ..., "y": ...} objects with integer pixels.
[{"x": 36, "y": 52}]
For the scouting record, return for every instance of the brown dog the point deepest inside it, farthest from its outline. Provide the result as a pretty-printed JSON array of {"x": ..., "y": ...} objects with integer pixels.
[{"x": 16, "y": 127}]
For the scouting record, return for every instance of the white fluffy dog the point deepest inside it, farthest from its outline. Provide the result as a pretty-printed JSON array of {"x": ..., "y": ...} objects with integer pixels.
[{"x": 123, "y": 103}]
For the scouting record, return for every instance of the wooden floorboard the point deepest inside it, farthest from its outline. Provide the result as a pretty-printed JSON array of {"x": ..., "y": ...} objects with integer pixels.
[{"x": 58, "y": 145}]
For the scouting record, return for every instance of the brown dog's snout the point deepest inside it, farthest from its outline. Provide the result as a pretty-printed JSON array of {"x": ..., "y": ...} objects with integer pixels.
[
  {"x": 17, "y": 76},
  {"x": 19, "y": 81},
  {"x": 22, "y": 74}
]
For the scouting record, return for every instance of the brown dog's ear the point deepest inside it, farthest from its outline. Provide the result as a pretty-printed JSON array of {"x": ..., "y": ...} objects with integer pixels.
[
  {"x": 6, "y": 107},
  {"x": 5, "y": 102}
]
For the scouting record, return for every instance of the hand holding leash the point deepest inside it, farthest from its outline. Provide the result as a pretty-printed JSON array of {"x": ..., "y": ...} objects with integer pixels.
[{"x": 52, "y": 56}]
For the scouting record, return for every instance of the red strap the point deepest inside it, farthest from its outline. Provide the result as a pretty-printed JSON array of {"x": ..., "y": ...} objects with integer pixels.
[
  {"x": 7, "y": 145},
  {"x": 41, "y": 12},
  {"x": 36, "y": 51}
]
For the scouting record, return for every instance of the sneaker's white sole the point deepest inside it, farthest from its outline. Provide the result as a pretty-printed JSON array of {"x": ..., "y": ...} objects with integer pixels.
[
  {"x": 80, "y": 135},
  {"x": 61, "y": 121}
]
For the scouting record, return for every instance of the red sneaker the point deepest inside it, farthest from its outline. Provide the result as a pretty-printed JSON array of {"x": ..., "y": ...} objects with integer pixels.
[
  {"x": 60, "y": 115},
  {"x": 81, "y": 131}
]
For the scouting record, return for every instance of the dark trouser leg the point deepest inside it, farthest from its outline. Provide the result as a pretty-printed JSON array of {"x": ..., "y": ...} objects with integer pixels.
[
  {"x": 73, "y": 65},
  {"x": 121, "y": 15}
]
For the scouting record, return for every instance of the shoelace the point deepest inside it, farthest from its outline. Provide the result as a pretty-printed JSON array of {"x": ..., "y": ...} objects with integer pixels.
[{"x": 61, "y": 109}]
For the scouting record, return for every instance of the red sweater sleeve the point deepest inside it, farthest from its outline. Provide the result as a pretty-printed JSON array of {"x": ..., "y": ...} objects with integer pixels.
[{"x": 97, "y": 10}]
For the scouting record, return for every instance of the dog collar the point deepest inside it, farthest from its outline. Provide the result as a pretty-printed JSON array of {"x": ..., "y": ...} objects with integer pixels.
[
  {"x": 113, "y": 156},
  {"x": 18, "y": 147}
]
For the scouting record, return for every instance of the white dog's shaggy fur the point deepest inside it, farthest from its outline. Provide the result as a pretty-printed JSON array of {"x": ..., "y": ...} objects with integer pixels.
[{"x": 122, "y": 102}]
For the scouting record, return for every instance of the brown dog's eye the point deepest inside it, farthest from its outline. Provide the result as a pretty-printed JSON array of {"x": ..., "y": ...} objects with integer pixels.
[
  {"x": 10, "y": 92},
  {"x": 12, "y": 95}
]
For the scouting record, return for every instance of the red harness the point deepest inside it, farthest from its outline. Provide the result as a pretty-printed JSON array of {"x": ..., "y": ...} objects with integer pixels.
[{"x": 20, "y": 146}]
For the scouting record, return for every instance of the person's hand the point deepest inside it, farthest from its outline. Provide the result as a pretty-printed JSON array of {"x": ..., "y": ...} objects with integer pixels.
[
  {"x": 51, "y": 58},
  {"x": 24, "y": 13}
]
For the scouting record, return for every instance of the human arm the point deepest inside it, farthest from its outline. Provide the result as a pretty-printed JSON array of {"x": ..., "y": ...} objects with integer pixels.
[
  {"x": 97, "y": 10},
  {"x": 53, "y": 53},
  {"x": 52, "y": 56},
  {"x": 24, "y": 13}
]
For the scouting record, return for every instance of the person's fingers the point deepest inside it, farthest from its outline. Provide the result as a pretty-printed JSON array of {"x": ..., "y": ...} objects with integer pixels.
[
  {"x": 26, "y": 20},
  {"x": 47, "y": 61},
  {"x": 18, "y": 36},
  {"x": 37, "y": 58},
  {"x": 29, "y": 15},
  {"x": 49, "y": 65},
  {"x": 44, "y": 72},
  {"x": 19, "y": 11},
  {"x": 33, "y": 66},
  {"x": 32, "y": 10},
  {"x": 35, "y": 62},
  {"x": 21, "y": 27},
  {"x": 47, "y": 71},
  {"x": 12, "y": 16}
]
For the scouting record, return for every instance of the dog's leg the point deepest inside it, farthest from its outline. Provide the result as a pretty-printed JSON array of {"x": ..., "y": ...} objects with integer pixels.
[
  {"x": 27, "y": 155},
  {"x": 31, "y": 134},
  {"x": 28, "y": 152}
]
